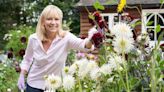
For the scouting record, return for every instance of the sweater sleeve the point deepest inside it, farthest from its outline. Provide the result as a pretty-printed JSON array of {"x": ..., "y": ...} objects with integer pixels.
[{"x": 78, "y": 43}]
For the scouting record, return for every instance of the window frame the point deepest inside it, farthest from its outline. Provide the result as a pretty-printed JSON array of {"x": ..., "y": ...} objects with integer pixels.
[
  {"x": 111, "y": 18},
  {"x": 155, "y": 12}
]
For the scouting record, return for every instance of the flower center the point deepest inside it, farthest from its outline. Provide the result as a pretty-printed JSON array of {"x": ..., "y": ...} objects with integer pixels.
[
  {"x": 53, "y": 81},
  {"x": 122, "y": 43},
  {"x": 66, "y": 69}
]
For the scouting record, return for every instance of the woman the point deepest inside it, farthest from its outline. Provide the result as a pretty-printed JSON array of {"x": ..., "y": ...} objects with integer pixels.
[{"x": 48, "y": 49}]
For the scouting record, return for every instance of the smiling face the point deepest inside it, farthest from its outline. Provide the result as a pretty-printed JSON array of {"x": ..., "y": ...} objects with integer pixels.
[{"x": 52, "y": 22}]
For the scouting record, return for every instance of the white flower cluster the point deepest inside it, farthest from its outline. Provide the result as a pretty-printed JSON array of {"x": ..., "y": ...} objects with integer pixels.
[
  {"x": 7, "y": 37},
  {"x": 116, "y": 62},
  {"x": 68, "y": 82},
  {"x": 88, "y": 68},
  {"x": 143, "y": 38},
  {"x": 52, "y": 82},
  {"x": 82, "y": 69},
  {"x": 123, "y": 41}
]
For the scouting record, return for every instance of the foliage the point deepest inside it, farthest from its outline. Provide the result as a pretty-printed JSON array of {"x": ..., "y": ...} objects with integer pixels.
[
  {"x": 17, "y": 40},
  {"x": 9, "y": 15},
  {"x": 8, "y": 78},
  {"x": 70, "y": 57}
]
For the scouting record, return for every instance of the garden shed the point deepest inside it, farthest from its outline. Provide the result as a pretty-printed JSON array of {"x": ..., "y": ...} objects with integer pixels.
[{"x": 144, "y": 10}]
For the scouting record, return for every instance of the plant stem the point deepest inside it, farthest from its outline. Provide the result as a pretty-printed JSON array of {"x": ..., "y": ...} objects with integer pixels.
[
  {"x": 126, "y": 72},
  {"x": 120, "y": 74},
  {"x": 122, "y": 79},
  {"x": 93, "y": 19},
  {"x": 153, "y": 78},
  {"x": 80, "y": 87}
]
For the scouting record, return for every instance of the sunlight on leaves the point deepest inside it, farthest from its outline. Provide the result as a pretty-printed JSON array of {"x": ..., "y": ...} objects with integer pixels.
[
  {"x": 158, "y": 28},
  {"x": 149, "y": 23},
  {"x": 160, "y": 37},
  {"x": 111, "y": 2},
  {"x": 136, "y": 23},
  {"x": 91, "y": 16},
  {"x": 161, "y": 1},
  {"x": 97, "y": 5}
]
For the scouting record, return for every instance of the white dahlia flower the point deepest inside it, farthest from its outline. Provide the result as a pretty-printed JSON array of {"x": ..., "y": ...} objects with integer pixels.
[
  {"x": 106, "y": 69},
  {"x": 68, "y": 82},
  {"x": 115, "y": 62},
  {"x": 95, "y": 74},
  {"x": 53, "y": 82},
  {"x": 122, "y": 30},
  {"x": 123, "y": 45}
]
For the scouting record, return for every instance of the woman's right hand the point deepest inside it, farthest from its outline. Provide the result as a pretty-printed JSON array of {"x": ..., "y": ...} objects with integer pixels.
[{"x": 21, "y": 82}]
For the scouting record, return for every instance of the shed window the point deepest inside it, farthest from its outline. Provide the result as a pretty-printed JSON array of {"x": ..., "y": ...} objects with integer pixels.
[
  {"x": 151, "y": 18},
  {"x": 111, "y": 18}
]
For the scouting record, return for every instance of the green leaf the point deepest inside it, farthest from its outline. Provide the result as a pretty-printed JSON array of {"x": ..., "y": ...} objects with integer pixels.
[
  {"x": 142, "y": 62},
  {"x": 107, "y": 34},
  {"x": 158, "y": 58},
  {"x": 160, "y": 37},
  {"x": 158, "y": 28},
  {"x": 102, "y": 60},
  {"x": 149, "y": 23},
  {"x": 136, "y": 23},
  {"x": 161, "y": 63},
  {"x": 134, "y": 82},
  {"x": 161, "y": 1},
  {"x": 91, "y": 16},
  {"x": 110, "y": 2},
  {"x": 101, "y": 7},
  {"x": 109, "y": 40},
  {"x": 97, "y": 5}
]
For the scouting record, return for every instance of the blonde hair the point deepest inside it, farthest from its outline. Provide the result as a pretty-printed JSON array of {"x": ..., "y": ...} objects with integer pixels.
[{"x": 48, "y": 11}]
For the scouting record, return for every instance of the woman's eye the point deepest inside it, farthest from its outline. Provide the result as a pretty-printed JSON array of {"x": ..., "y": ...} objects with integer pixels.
[
  {"x": 56, "y": 18},
  {"x": 49, "y": 18},
  {"x": 52, "y": 18}
]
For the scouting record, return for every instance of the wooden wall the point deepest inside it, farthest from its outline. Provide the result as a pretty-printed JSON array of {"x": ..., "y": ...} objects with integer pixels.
[{"x": 84, "y": 24}]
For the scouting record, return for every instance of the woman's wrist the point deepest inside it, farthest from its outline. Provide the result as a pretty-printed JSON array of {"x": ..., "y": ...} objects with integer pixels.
[
  {"x": 23, "y": 72},
  {"x": 88, "y": 43}
]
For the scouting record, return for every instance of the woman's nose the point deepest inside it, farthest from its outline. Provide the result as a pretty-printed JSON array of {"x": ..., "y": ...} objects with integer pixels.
[{"x": 53, "y": 21}]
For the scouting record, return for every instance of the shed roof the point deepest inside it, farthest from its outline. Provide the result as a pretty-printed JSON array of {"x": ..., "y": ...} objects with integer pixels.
[{"x": 115, "y": 2}]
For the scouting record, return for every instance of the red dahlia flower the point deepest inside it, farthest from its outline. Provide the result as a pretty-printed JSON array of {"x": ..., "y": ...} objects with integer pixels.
[
  {"x": 10, "y": 54},
  {"x": 23, "y": 39},
  {"x": 21, "y": 52},
  {"x": 101, "y": 23},
  {"x": 97, "y": 39},
  {"x": 97, "y": 16}
]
